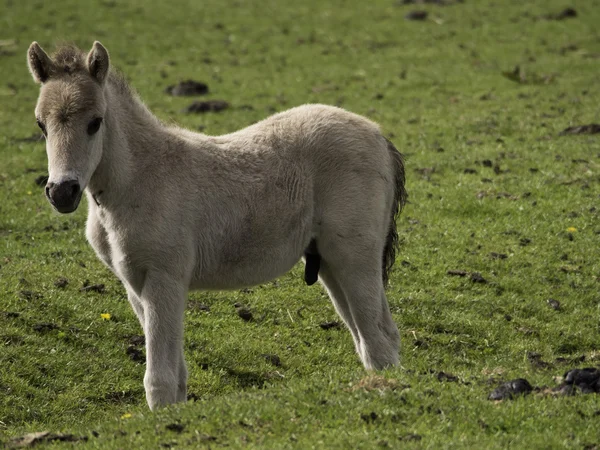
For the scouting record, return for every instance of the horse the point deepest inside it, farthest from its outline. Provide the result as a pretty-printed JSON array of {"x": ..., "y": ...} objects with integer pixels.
[{"x": 170, "y": 210}]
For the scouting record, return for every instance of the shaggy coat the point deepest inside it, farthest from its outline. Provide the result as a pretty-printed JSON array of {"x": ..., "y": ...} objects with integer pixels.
[{"x": 172, "y": 210}]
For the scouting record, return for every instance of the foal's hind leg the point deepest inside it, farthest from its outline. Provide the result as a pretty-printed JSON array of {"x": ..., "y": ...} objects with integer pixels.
[
  {"x": 359, "y": 276},
  {"x": 338, "y": 298}
]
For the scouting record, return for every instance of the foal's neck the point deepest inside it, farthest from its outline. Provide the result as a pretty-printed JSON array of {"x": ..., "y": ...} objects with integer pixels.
[{"x": 131, "y": 131}]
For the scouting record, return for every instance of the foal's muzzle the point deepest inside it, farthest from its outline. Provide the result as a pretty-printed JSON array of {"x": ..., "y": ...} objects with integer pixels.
[{"x": 64, "y": 196}]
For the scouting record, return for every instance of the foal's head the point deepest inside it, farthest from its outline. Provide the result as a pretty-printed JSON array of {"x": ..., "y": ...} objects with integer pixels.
[{"x": 69, "y": 111}]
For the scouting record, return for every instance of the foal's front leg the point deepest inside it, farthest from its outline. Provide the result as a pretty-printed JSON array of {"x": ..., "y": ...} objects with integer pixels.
[
  {"x": 163, "y": 301},
  {"x": 138, "y": 307}
]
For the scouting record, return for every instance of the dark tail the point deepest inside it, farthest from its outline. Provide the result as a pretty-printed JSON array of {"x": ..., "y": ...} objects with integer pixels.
[{"x": 400, "y": 197}]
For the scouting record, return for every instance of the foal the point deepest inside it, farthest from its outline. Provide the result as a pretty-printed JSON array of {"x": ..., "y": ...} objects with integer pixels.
[{"x": 172, "y": 210}]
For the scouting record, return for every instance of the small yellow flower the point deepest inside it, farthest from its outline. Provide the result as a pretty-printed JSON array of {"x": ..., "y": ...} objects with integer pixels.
[
  {"x": 571, "y": 229},
  {"x": 29, "y": 192},
  {"x": 105, "y": 316},
  {"x": 126, "y": 416}
]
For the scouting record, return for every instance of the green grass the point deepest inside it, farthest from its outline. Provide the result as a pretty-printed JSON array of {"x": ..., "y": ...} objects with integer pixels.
[{"x": 437, "y": 88}]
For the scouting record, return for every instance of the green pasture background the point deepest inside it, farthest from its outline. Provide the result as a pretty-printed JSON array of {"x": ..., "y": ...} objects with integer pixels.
[{"x": 475, "y": 96}]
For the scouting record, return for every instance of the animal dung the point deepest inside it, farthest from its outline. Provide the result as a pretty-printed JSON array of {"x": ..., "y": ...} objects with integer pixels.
[
  {"x": 207, "y": 106},
  {"x": 187, "y": 88}
]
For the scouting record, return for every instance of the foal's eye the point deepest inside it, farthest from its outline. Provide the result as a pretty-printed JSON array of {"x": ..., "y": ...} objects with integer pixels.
[
  {"x": 42, "y": 127},
  {"x": 94, "y": 125}
]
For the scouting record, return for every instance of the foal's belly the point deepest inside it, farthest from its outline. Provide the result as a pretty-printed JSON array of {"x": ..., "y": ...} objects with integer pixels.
[{"x": 247, "y": 271}]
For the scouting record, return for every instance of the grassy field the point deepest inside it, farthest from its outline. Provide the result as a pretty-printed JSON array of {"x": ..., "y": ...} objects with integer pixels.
[{"x": 475, "y": 96}]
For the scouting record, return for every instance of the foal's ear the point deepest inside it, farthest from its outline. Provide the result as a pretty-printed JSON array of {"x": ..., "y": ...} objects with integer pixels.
[
  {"x": 40, "y": 64},
  {"x": 98, "y": 62}
]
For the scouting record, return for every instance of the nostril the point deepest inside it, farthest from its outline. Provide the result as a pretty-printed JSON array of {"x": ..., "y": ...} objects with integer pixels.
[{"x": 49, "y": 186}]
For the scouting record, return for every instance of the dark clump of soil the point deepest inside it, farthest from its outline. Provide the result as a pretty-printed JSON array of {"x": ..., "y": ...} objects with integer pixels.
[
  {"x": 330, "y": 325},
  {"x": 176, "y": 427},
  {"x": 197, "y": 306},
  {"x": 61, "y": 283},
  {"x": 207, "y": 106},
  {"x": 244, "y": 313},
  {"x": 476, "y": 277},
  {"x": 567, "y": 13},
  {"x": 273, "y": 359},
  {"x": 44, "y": 327},
  {"x": 41, "y": 180},
  {"x": 136, "y": 339},
  {"x": 426, "y": 2},
  {"x": 536, "y": 360},
  {"x": 592, "y": 128},
  {"x": 187, "y": 88},
  {"x": 411, "y": 437},
  {"x": 554, "y": 304},
  {"x": 458, "y": 273},
  {"x": 30, "y": 295},
  {"x": 135, "y": 354},
  {"x": 511, "y": 389},
  {"x": 416, "y": 15},
  {"x": 87, "y": 287},
  {"x": 444, "y": 376},
  {"x": 370, "y": 417}
]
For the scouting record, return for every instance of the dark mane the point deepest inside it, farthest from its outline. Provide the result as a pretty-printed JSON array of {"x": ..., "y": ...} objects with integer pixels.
[{"x": 70, "y": 59}]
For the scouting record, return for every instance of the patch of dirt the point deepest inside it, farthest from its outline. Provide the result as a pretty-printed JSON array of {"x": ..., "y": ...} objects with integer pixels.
[
  {"x": 476, "y": 277},
  {"x": 30, "y": 295},
  {"x": 187, "y": 88},
  {"x": 176, "y": 427},
  {"x": 31, "y": 439},
  {"x": 44, "y": 327},
  {"x": 554, "y": 304},
  {"x": 369, "y": 417},
  {"x": 444, "y": 376},
  {"x": 416, "y": 15},
  {"x": 61, "y": 283},
  {"x": 135, "y": 354},
  {"x": 272, "y": 359},
  {"x": 207, "y": 106},
  {"x": 567, "y": 13},
  {"x": 195, "y": 305},
  {"x": 244, "y": 313},
  {"x": 536, "y": 361},
  {"x": 458, "y": 273},
  {"x": 427, "y": 2},
  {"x": 592, "y": 128},
  {"x": 87, "y": 287},
  {"x": 411, "y": 437},
  {"x": 519, "y": 75},
  {"x": 377, "y": 383},
  {"x": 136, "y": 339},
  {"x": 330, "y": 325}
]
